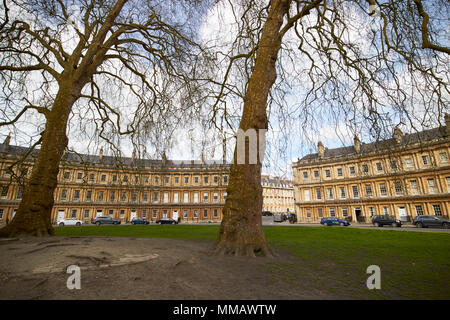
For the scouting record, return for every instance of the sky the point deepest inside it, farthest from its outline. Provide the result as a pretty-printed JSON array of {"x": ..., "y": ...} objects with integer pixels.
[{"x": 292, "y": 133}]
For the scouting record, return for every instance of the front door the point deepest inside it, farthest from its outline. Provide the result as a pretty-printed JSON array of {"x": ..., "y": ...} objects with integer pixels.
[
  {"x": 99, "y": 213},
  {"x": 402, "y": 214},
  {"x": 60, "y": 215},
  {"x": 175, "y": 215},
  {"x": 133, "y": 214}
]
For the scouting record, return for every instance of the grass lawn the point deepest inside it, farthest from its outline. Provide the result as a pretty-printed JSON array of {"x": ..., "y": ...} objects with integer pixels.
[{"x": 414, "y": 265}]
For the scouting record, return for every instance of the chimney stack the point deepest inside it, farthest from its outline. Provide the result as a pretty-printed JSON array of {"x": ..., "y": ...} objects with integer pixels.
[
  {"x": 447, "y": 124},
  {"x": 164, "y": 158},
  {"x": 357, "y": 144},
  {"x": 100, "y": 155},
  {"x": 5, "y": 145},
  {"x": 320, "y": 150},
  {"x": 398, "y": 134}
]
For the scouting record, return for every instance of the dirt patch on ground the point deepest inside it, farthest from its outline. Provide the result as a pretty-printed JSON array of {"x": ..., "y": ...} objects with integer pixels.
[{"x": 141, "y": 268}]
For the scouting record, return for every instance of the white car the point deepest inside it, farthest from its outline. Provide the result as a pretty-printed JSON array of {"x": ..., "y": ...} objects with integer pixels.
[{"x": 69, "y": 222}]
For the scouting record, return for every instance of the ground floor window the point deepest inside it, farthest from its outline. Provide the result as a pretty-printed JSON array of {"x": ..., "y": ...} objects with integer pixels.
[
  {"x": 111, "y": 213},
  {"x": 437, "y": 209},
  {"x": 195, "y": 213},
  {"x": 185, "y": 213},
  {"x": 332, "y": 213},
  {"x": 319, "y": 212},
  {"x": 371, "y": 211},
  {"x": 1, "y": 213},
  {"x": 308, "y": 213},
  {"x": 155, "y": 213},
  {"x": 419, "y": 210},
  {"x": 215, "y": 213},
  {"x": 86, "y": 213},
  {"x": 344, "y": 212},
  {"x": 386, "y": 210},
  {"x": 74, "y": 213},
  {"x": 144, "y": 213}
]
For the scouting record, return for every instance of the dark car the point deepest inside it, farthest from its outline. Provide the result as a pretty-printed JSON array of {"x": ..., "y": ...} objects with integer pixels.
[
  {"x": 106, "y": 220},
  {"x": 267, "y": 213},
  {"x": 430, "y": 221},
  {"x": 382, "y": 220},
  {"x": 139, "y": 221},
  {"x": 332, "y": 221},
  {"x": 292, "y": 218},
  {"x": 166, "y": 221}
]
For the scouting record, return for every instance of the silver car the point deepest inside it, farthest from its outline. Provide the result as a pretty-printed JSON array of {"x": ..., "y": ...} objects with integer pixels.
[{"x": 69, "y": 222}]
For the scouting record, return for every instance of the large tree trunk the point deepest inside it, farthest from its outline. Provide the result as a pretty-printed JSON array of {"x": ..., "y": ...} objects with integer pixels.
[
  {"x": 33, "y": 216},
  {"x": 241, "y": 229}
]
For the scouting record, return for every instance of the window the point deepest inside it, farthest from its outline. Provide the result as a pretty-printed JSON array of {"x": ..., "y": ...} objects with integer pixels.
[
  {"x": 355, "y": 191},
  {"x": 332, "y": 213},
  {"x": 186, "y": 180},
  {"x": 318, "y": 194},
  {"x": 195, "y": 197},
  {"x": 195, "y": 214},
  {"x": 205, "y": 213},
  {"x": 225, "y": 196},
  {"x": 319, "y": 212},
  {"x": 305, "y": 175},
  {"x": 86, "y": 213},
  {"x": 398, "y": 188},
  {"x": 74, "y": 213},
  {"x": 166, "y": 180},
  {"x": 177, "y": 180},
  {"x": 414, "y": 187},
  {"x": 155, "y": 197},
  {"x": 365, "y": 168},
  {"x": 66, "y": 175},
  {"x": 175, "y": 197},
  {"x": 393, "y": 164},
  {"x": 114, "y": 178},
  {"x": 342, "y": 192},
  {"x": 386, "y": 210},
  {"x": 444, "y": 157},
  {"x": 327, "y": 173},
  {"x": 111, "y": 212},
  {"x": 409, "y": 163},
  {"x": 339, "y": 172},
  {"x": 306, "y": 192},
  {"x": 216, "y": 179},
  {"x": 383, "y": 191},
  {"x": 419, "y": 210},
  {"x": 79, "y": 175},
  {"x": 4, "y": 191},
  {"x": 112, "y": 196},
  {"x": 144, "y": 213},
  {"x": 216, "y": 213},
  {"x": 308, "y": 212},
  {"x": 91, "y": 177},
  {"x": 100, "y": 196},
  {"x": 225, "y": 179},
  {"x": 379, "y": 167},
  {"x": 136, "y": 179},
  {"x": 185, "y": 212},
  {"x": 125, "y": 178},
  {"x": 352, "y": 170},
  {"x": 186, "y": 197},
  {"x": 330, "y": 193},
  {"x": 425, "y": 160},
  {"x": 369, "y": 192},
  {"x": 76, "y": 196},
  {"x": 431, "y": 186},
  {"x": 134, "y": 196},
  {"x": 123, "y": 196},
  {"x": 344, "y": 212},
  {"x": 145, "y": 197},
  {"x": 316, "y": 173},
  {"x": 437, "y": 209},
  {"x": 166, "y": 197},
  {"x": 103, "y": 178},
  {"x": 1, "y": 214},
  {"x": 156, "y": 180},
  {"x": 216, "y": 197},
  {"x": 205, "y": 179},
  {"x": 64, "y": 194},
  {"x": 146, "y": 179},
  {"x": 20, "y": 193},
  {"x": 195, "y": 179},
  {"x": 155, "y": 213},
  {"x": 371, "y": 211}
]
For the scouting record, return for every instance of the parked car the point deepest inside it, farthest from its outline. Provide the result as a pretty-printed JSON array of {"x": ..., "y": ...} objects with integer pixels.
[
  {"x": 69, "y": 222},
  {"x": 106, "y": 220},
  {"x": 430, "y": 221},
  {"x": 139, "y": 221},
  {"x": 292, "y": 218},
  {"x": 381, "y": 220},
  {"x": 333, "y": 221},
  {"x": 278, "y": 217},
  {"x": 166, "y": 221},
  {"x": 267, "y": 213}
]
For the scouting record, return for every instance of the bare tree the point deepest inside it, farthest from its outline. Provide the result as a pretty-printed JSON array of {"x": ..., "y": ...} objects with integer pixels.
[
  {"x": 115, "y": 67},
  {"x": 393, "y": 70}
]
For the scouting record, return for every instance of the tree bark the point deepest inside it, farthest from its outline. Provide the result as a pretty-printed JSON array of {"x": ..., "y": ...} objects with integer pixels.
[{"x": 241, "y": 229}]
